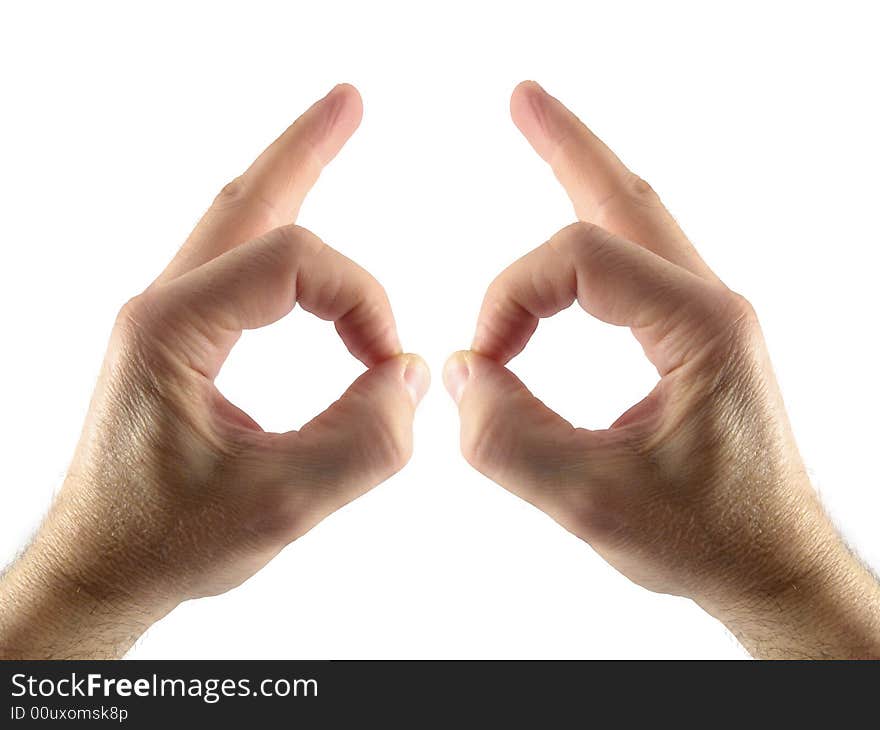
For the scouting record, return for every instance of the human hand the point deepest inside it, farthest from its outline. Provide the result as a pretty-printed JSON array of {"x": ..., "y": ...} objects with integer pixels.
[
  {"x": 173, "y": 492},
  {"x": 698, "y": 490}
]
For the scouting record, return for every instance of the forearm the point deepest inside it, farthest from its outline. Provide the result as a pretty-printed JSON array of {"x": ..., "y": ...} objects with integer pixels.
[
  {"x": 831, "y": 611},
  {"x": 49, "y": 609}
]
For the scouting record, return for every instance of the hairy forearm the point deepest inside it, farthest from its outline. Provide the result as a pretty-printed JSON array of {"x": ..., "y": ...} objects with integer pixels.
[
  {"x": 49, "y": 611},
  {"x": 829, "y": 612}
]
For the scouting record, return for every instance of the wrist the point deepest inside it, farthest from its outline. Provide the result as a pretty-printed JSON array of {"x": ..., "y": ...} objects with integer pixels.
[
  {"x": 55, "y": 605},
  {"x": 818, "y": 602}
]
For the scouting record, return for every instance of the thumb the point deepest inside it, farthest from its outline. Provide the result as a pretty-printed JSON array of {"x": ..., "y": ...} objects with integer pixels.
[
  {"x": 366, "y": 435},
  {"x": 511, "y": 437},
  {"x": 507, "y": 434}
]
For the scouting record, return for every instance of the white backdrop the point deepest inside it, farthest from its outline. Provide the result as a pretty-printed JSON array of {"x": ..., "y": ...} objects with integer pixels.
[{"x": 758, "y": 127}]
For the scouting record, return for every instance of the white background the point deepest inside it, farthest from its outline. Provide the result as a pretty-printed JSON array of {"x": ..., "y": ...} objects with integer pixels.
[{"x": 758, "y": 127}]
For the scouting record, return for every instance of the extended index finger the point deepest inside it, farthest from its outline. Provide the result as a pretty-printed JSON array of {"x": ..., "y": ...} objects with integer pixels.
[
  {"x": 270, "y": 192},
  {"x": 603, "y": 190}
]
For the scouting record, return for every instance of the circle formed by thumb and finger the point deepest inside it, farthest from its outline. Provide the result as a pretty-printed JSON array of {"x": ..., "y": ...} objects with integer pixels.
[
  {"x": 510, "y": 435},
  {"x": 627, "y": 263}
]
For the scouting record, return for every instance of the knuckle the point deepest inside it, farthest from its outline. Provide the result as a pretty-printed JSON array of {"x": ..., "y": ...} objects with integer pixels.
[
  {"x": 377, "y": 294},
  {"x": 581, "y": 237},
  {"x": 496, "y": 292},
  {"x": 278, "y": 517},
  {"x": 297, "y": 241},
  {"x": 640, "y": 189},
  {"x": 139, "y": 331},
  {"x": 479, "y": 443},
  {"x": 142, "y": 326},
  {"x": 734, "y": 332},
  {"x": 588, "y": 500},
  {"x": 741, "y": 308},
  {"x": 575, "y": 234},
  {"x": 128, "y": 312},
  {"x": 231, "y": 193},
  {"x": 238, "y": 193},
  {"x": 135, "y": 349},
  {"x": 740, "y": 313},
  {"x": 584, "y": 514},
  {"x": 286, "y": 246},
  {"x": 392, "y": 447},
  {"x": 584, "y": 243},
  {"x": 473, "y": 449},
  {"x": 133, "y": 316}
]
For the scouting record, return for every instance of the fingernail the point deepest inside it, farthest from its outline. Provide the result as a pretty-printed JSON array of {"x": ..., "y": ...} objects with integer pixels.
[
  {"x": 455, "y": 375},
  {"x": 416, "y": 378}
]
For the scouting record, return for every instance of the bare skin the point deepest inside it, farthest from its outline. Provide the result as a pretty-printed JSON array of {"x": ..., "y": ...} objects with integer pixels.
[
  {"x": 699, "y": 489},
  {"x": 173, "y": 492}
]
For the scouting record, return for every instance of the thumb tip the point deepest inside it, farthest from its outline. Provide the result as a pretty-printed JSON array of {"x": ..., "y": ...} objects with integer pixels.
[
  {"x": 416, "y": 378},
  {"x": 456, "y": 373}
]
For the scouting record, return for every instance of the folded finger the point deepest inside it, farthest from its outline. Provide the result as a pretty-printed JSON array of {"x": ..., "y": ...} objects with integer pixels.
[
  {"x": 670, "y": 310},
  {"x": 259, "y": 282}
]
